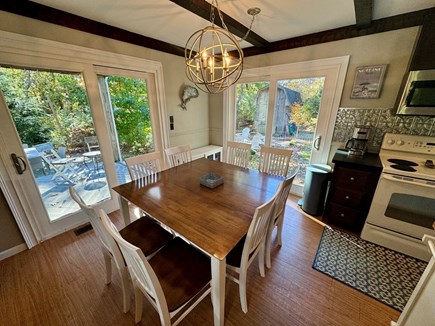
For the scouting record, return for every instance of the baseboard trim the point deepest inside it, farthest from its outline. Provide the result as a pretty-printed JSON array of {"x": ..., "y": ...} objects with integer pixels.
[{"x": 12, "y": 251}]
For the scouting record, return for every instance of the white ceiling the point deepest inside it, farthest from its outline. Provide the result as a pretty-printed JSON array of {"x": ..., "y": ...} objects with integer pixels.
[{"x": 279, "y": 19}]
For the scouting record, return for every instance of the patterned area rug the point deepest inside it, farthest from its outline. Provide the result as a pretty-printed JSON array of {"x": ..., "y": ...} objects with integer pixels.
[{"x": 381, "y": 273}]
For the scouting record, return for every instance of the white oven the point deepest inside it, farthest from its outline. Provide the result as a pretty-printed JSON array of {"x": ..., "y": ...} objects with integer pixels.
[{"x": 403, "y": 206}]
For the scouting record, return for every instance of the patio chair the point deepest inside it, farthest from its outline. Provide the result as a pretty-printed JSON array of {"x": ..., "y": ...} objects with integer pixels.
[
  {"x": 277, "y": 219},
  {"x": 274, "y": 161},
  {"x": 62, "y": 167},
  {"x": 238, "y": 153},
  {"x": 178, "y": 155},
  {"x": 175, "y": 280},
  {"x": 92, "y": 143},
  {"x": 144, "y": 233},
  {"x": 251, "y": 246}
]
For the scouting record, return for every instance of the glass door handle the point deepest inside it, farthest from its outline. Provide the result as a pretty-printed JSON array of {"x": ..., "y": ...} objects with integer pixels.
[
  {"x": 17, "y": 163},
  {"x": 316, "y": 143}
]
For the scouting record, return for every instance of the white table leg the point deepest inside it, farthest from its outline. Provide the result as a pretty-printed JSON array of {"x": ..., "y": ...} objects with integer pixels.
[
  {"x": 218, "y": 274},
  {"x": 125, "y": 212}
]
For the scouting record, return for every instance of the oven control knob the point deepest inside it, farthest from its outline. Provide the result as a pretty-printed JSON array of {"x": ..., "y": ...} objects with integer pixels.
[
  {"x": 390, "y": 141},
  {"x": 400, "y": 142}
]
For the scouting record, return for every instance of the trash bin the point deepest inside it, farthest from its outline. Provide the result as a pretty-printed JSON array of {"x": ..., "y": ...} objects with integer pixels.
[{"x": 315, "y": 188}]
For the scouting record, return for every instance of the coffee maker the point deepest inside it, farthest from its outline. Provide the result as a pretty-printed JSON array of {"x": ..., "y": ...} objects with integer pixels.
[{"x": 357, "y": 145}]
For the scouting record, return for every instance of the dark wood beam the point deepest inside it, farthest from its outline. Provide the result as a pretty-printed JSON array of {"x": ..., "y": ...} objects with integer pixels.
[
  {"x": 203, "y": 8},
  {"x": 411, "y": 19},
  {"x": 59, "y": 17},
  {"x": 363, "y": 13}
]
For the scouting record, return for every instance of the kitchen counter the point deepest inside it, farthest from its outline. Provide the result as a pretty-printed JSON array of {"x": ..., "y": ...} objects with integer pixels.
[{"x": 369, "y": 160}]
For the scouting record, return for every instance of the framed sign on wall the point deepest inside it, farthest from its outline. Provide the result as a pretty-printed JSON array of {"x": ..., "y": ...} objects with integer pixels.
[{"x": 368, "y": 81}]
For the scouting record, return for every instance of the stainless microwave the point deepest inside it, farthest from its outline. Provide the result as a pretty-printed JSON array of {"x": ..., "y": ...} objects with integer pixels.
[{"x": 418, "y": 97}]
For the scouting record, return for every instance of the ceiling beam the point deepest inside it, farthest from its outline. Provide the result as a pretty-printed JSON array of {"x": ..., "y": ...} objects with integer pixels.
[
  {"x": 51, "y": 15},
  {"x": 363, "y": 13},
  {"x": 203, "y": 8},
  {"x": 410, "y": 19}
]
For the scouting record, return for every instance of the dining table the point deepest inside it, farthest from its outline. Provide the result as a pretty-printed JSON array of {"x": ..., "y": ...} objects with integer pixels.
[{"x": 213, "y": 220}]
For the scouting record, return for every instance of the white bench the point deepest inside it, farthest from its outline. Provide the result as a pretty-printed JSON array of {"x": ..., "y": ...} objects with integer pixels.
[{"x": 212, "y": 152}]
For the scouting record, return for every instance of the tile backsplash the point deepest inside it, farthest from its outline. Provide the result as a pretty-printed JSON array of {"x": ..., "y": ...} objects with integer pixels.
[{"x": 381, "y": 121}]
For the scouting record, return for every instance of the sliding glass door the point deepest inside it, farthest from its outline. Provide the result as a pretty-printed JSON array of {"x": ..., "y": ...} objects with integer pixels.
[
  {"x": 290, "y": 106},
  {"x": 55, "y": 128}
]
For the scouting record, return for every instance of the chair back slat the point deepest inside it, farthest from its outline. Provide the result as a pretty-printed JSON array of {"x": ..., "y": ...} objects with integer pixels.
[
  {"x": 144, "y": 165},
  {"x": 257, "y": 230},
  {"x": 274, "y": 161},
  {"x": 238, "y": 153},
  {"x": 283, "y": 192},
  {"x": 179, "y": 155},
  {"x": 105, "y": 238}
]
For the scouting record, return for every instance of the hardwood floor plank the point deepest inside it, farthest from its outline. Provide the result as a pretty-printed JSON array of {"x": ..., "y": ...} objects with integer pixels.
[{"x": 61, "y": 282}]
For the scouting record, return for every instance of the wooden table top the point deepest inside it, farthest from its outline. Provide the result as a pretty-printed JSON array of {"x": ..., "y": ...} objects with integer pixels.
[{"x": 213, "y": 219}]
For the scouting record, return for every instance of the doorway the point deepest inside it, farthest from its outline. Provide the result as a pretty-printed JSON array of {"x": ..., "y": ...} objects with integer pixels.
[{"x": 36, "y": 54}]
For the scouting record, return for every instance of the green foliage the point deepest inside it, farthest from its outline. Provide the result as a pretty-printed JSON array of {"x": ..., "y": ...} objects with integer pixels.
[
  {"x": 246, "y": 106},
  {"x": 131, "y": 112},
  {"x": 53, "y": 107},
  {"x": 47, "y": 106},
  {"x": 311, "y": 89}
]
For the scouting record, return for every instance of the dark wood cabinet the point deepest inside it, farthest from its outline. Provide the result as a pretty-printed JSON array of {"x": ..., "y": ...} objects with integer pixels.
[
  {"x": 423, "y": 57},
  {"x": 351, "y": 191}
]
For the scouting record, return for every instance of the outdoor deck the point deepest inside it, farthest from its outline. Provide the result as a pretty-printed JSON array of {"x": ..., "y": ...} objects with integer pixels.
[{"x": 90, "y": 183}]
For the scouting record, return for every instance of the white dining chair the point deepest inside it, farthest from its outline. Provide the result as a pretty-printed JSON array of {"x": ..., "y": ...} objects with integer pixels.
[
  {"x": 251, "y": 246},
  {"x": 178, "y": 155},
  {"x": 174, "y": 280},
  {"x": 144, "y": 233},
  {"x": 277, "y": 218},
  {"x": 274, "y": 161},
  {"x": 238, "y": 153},
  {"x": 144, "y": 165}
]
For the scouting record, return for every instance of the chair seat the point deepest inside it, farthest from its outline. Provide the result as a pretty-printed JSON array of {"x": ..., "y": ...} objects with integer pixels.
[
  {"x": 182, "y": 270},
  {"x": 62, "y": 161},
  {"x": 234, "y": 258},
  {"x": 146, "y": 234}
]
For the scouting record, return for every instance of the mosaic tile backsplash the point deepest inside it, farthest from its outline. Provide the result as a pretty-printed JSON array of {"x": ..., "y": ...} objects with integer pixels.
[{"x": 381, "y": 121}]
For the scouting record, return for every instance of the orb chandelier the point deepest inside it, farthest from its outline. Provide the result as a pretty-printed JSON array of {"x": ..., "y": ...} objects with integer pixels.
[{"x": 214, "y": 58}]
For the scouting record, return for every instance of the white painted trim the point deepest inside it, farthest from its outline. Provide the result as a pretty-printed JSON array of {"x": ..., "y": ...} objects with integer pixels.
[{"x": 12, "y": 251}]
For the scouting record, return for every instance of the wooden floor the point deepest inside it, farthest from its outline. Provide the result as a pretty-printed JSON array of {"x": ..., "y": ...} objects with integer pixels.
[{"x": 61, "y": 282}]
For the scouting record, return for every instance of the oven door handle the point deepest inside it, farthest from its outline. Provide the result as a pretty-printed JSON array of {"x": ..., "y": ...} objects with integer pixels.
[{"x": 415, "y": 183}]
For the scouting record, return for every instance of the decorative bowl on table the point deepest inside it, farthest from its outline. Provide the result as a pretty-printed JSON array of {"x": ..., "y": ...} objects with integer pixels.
[{"x": 212, "y": 180}]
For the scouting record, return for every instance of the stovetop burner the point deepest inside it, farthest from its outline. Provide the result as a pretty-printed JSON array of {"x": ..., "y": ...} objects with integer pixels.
[
  {"x": 402, "y": 162},
  {"x": 402, "y": 167}
]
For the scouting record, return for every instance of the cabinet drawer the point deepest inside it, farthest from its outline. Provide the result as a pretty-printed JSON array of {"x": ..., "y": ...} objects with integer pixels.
[
  {"x": 342, "y": 215},
  {"x": 351, "y": 177},
  {"x": 346, "y": 197}
]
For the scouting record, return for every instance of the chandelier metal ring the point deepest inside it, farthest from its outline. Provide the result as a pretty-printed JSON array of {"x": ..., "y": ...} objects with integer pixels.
[{"x": 214, "y": 59}]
